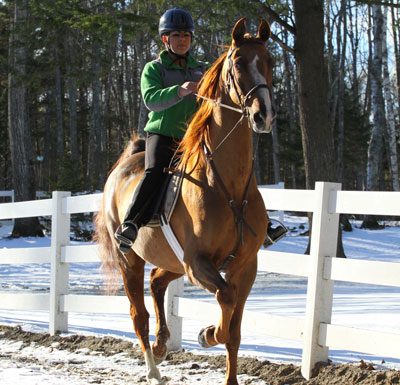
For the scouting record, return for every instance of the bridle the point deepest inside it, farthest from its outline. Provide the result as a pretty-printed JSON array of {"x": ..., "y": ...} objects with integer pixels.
[{"x": 231, "y": 81}]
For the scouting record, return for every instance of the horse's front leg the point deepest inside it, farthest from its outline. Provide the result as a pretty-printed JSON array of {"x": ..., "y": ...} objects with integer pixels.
[
  {"x": 202, "y": 272},
  {"x": 133, "y": 276},
  {"x": 159, "y": 281},
  {"x": 243, "y": 282}
]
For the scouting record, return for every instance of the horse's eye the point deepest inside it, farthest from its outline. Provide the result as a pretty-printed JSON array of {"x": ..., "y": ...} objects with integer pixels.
[{"x": 237, "y": 65}]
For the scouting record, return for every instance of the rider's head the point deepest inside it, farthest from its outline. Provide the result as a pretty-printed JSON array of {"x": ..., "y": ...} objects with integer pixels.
[{"x": 176, "y": 29}]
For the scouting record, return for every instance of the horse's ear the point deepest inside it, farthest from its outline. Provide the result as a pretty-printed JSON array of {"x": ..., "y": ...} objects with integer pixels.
[
  {"x": 238, "y": 31},
  {"x": 264, "y": 31}
]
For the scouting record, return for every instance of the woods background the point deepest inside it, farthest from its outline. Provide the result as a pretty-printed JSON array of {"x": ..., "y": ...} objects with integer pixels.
[{"x": 70, "y": 97}]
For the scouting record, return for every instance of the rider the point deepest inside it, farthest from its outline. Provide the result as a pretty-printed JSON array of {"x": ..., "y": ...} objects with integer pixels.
[{"x": 167, "y": 86}]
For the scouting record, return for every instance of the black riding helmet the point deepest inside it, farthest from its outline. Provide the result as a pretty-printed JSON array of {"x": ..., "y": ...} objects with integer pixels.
[{"x": 175, "y": 19}]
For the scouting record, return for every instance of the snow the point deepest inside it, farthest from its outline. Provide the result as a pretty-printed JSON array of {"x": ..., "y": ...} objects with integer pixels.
[{"x": 362, "y": 306}]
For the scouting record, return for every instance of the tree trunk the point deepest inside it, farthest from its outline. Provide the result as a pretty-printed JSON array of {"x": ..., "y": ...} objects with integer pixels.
[
  {"x": 290, "y": 106},
  {"x": 368, "y": 97},
  {"x": 46, "y": 183},
  {"x": 72, "y": 98},
  {"x": 312, "y": 78},
  {"x": 143, "y": 112},
  {"x": 390, "y": 114},
  {"x": 275, "y": 153},
  {"x": 375, "y": 148},
  {"x": 396, "y": 41},
  {"x": 18, "y": 121},
  {"x": 332, "y": 64},
  {"x": 342, "y": 46},
  {"x": 96, "y": 169},
  {"x": 129, "y": 87},
  {"x": 58, "y": 103},
  {"x": 354, "y": 42}
]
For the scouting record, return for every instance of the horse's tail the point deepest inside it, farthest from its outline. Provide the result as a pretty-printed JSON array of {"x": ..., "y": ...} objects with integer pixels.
[
  {"x": 106, "y": 222},
  {"x": 108, "y": 250},
  {"x": 135, "y": 144}
]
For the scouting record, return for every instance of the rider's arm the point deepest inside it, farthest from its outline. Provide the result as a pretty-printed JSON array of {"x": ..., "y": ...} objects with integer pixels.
[{"x": 155, "y": 97}]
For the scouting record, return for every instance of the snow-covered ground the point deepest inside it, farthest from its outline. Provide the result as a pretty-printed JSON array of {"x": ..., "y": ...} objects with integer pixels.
[{"x": 362, "y": 306}]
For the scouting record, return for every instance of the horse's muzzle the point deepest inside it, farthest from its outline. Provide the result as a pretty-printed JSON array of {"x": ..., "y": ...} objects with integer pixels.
[{"x": 261, "y": 118}]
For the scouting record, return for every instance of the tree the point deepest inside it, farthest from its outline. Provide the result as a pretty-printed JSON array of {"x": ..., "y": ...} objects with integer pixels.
[
  {"x": 318, "y": 147},
  {"x": 312, "y": 83},
  {"x": 375, "y": 149},
  {"x": 5, "y": 173},
  {"x": 391, "y": 137},
  {"x": 18, "y": 119}
]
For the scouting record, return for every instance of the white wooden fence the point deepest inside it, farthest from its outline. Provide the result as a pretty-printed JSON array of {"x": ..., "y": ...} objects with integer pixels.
[{"x": 315, "y": 330}]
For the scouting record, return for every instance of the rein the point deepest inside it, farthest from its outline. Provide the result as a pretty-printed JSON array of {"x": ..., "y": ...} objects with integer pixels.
[{"x": 219, "y": 104}]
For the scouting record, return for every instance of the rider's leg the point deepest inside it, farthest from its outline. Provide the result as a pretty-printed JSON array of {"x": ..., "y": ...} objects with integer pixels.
[{"x": 159, "y": 151}]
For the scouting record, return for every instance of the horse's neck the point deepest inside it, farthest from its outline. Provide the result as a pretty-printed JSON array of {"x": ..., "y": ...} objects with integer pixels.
[{"x": 234, "y": 157}]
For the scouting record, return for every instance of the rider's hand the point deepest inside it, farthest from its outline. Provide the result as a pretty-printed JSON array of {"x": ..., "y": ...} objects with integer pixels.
[{"x": 187, "y": 88}]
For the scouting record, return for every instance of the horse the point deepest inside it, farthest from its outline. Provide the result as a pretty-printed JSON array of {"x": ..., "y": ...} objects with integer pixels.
[{"x": 219, "y": 219}]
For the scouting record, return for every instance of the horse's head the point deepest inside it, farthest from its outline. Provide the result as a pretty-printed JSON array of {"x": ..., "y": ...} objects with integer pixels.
[{"x": 248, "y": 74}]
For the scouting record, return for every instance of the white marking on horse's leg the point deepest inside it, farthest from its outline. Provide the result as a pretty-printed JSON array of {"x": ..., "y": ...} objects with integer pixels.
[{"x": 153, "y": 374}]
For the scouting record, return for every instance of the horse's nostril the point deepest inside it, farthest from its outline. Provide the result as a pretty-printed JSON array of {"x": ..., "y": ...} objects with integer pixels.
[{"x": 259, "y": 117}]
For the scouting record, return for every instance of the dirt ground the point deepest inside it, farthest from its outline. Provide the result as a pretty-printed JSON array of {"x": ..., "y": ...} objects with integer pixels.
[{"x": 270, "y": 373}]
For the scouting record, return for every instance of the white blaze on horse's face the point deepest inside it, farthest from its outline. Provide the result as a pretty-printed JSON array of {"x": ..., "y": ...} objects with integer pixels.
[{"x": 261, "y": 111}]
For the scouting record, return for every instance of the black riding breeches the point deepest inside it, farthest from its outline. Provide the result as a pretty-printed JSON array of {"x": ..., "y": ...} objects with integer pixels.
[{"x": 159, "y": 152}]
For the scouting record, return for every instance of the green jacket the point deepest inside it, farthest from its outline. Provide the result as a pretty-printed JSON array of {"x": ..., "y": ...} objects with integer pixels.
[{"x": 160, "y": 82}]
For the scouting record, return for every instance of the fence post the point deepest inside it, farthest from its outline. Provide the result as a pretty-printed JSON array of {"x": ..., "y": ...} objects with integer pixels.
[
  {"x": 175, "y": 289},
  {"x": 60, "y": 228},
  {"x": 319, "y": 290}
]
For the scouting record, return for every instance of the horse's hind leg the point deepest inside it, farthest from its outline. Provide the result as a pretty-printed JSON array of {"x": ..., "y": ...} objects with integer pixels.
[
  {"x": 159, "y": 281},
  {"x": 133, "y": 276}
]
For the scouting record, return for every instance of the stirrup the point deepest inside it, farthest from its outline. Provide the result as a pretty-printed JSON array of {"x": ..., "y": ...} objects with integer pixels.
[
  {"x": 269, "y": 241},
  {"x": 125, "y": 241}
]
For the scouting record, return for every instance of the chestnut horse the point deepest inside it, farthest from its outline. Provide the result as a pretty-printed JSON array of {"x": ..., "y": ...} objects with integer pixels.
[{"x": 219, "y": 218}]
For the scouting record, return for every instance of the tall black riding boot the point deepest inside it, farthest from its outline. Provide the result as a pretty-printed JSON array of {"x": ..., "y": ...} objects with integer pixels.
[{"x": 274, "y": 234}]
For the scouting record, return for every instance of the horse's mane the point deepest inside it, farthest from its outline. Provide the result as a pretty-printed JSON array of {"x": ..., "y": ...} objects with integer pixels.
[{"x": 197, "y": 131}]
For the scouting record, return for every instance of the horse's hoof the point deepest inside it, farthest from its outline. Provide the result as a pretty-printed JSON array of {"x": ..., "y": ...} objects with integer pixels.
[
  {"x": 159, "y": 353},
  {"x": 202, "y": 338},
  {"x": 159, "y": 359},
  {"x": 155, "y": 381},
  {"x": 154, "y": 378}
]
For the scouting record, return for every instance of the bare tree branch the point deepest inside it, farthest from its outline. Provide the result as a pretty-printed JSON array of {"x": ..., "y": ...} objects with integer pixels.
[
  {"x": 282, "y": 44},
  {"x": 378, "y": 2},
  {"x": 275, "y": 17}
]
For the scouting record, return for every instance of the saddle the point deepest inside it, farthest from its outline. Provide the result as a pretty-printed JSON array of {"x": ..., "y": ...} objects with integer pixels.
[
  {"x": 167, "y": 198},
  {"x": 164, "y": 208}
]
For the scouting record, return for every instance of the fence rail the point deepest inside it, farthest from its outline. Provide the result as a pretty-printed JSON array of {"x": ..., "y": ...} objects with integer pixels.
[{"x": 315, "y": 330}]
